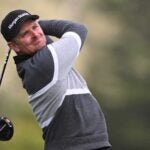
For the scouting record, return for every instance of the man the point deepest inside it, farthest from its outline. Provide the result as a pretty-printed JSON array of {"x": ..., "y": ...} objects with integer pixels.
[{"x": 67, "y": 112}]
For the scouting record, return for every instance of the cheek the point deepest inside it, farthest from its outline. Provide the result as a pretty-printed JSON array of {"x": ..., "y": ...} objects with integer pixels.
[
  {"x": 24, "y": 45},
  {"x": 25, "y": 41}
]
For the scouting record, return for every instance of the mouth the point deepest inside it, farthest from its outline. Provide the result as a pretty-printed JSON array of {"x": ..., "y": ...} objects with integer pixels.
[{"x": 39, "y": 42}]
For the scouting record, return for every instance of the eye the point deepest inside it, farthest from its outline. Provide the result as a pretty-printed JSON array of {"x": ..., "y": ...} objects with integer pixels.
[
  {"x": 35, "y": 26},
  {"x": 23, "y": 34}
]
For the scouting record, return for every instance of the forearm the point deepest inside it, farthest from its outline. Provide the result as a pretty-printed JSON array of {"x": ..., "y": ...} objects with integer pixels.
[{"x": 58, "y": 27}]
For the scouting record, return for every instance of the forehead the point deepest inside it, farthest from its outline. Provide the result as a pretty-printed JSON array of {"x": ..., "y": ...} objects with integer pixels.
[{"x": 27, "y": 25}]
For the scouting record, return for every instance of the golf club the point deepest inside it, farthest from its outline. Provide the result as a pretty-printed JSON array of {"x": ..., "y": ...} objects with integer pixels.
[
  {"x": 4, "y": 67},
  {"x": 6, "y": 126}
]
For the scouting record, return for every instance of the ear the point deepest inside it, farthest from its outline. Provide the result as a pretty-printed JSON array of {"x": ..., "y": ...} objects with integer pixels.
[{"x": 13, "y": 46}]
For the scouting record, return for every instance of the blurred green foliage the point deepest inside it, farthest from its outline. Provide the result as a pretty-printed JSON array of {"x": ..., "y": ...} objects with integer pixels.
[
  {"x": 123, "y": 78},
  {"x": 114, "y": 61}
]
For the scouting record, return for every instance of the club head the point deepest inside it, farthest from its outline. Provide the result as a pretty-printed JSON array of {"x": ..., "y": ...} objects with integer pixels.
[{"x": 6, "y": 129}]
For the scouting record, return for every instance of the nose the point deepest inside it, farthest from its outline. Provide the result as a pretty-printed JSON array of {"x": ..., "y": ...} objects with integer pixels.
[{"x": 34, "y": 33}]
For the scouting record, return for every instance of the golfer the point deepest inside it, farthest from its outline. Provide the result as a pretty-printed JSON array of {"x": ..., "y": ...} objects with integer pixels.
[{"x": 66, "y": 110}]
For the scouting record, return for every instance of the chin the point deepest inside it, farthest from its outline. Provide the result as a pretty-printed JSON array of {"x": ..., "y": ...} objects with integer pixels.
[
  {"x": 38, "y": 48},
  {"x": 41, "y": 44}
]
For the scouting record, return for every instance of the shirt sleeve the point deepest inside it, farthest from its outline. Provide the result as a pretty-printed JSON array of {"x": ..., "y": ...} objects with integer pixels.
[
  {"x": 58, "y": 28},
  {"x": 64, "y": 53}
]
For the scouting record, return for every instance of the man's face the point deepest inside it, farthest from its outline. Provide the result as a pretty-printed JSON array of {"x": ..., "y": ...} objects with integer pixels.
[{"x": 30, "y": 38}]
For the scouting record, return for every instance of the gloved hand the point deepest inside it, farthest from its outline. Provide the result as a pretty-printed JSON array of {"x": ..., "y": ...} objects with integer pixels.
[{"x": 6, "y": 129}]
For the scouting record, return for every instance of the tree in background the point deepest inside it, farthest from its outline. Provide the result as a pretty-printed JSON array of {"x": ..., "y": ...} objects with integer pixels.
[{"x": 121, "y": 72}]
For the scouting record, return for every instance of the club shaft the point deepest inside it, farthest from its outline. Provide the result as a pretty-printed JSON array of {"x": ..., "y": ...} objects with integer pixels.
[{"x": 4, "y": 67}]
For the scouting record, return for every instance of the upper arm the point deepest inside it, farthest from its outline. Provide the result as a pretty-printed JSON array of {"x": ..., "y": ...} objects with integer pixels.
[
  {"x": 58, "y": 28},
  {"x": 64, "y": 53}
]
